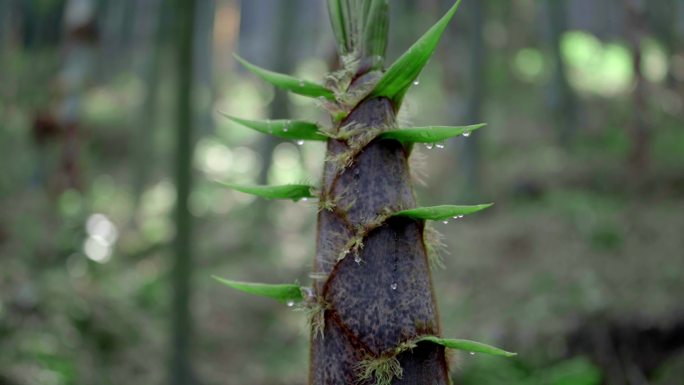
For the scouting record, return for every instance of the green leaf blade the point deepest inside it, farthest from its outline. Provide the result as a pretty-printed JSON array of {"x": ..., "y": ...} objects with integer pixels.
[
  {"x": 285, "y": 293},
  {"x": 468, "y": 346},
  {"x": 439, "y": 213},
  {"x": 403, "y": 72},
  {"x": 429, "y": 134},
  {"x": 294, "y": 192},
  {"x": 337, "y": 22},
  {"x": 283, "y": 128},
  {"x": 375, "y": 29},
  {"x": 287, "y": 82}
]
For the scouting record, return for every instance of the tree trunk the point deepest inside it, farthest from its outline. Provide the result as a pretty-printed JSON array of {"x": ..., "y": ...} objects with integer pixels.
[
  {"x": 640, "y": 133},
  {"x": 562, "y": 101},
  {"x": 143, "y": 145},
  {"x": 181, "y": 370},
  {"x": 470, "y": 150}
]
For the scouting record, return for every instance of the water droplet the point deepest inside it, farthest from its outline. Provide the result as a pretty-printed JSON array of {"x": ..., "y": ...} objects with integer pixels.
[
  {"x": 308, "y": 292},
  {"x": 466, "y": 134},
  {"x": 300, "y": 142},
  {"x": 357, "y": 259},
  {"x": 290, "y": 303},
  {"x": 446, "y": 222},
  {"x": 393, "y": 286},
  {"x": 416, "y": 82},
  {"x": 439, "y": 145}
]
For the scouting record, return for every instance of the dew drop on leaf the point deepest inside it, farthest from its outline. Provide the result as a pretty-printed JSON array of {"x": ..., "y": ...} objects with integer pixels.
[{"x": 308, "y": 292}]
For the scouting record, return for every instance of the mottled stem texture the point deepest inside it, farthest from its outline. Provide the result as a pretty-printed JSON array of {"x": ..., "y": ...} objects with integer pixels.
[{"x": 377, "y": 294}]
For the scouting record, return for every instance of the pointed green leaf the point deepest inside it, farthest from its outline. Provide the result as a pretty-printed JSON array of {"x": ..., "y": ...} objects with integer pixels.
[
  {"x": 283, "y": 128},
  {"x": 285, "y": 293},
  {"x": 468, "y": 346},
  {"x": 287, "y": 82},
  {"x": 403, "y": 72},
  {"x": 288, "y": 191},
  {"x": 429, "y": 134},
  {"x": 439, "y": 213}
]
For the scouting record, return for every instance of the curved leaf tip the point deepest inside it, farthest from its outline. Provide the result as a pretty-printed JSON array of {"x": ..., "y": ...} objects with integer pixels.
[
  {"x": 283, "y": 128},
  {"x": 286, "y": 293},
  {"x": 288, "y": 191},
  {"x": 429, "y": 134},
  {"x": 468, "y": 346},
  {"x": 287, "y": 82},
  {"x": 440, "y": 213}
]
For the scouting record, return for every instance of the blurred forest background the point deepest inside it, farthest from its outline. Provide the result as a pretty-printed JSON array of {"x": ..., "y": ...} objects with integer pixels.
[{"x": 579, "y": 266}]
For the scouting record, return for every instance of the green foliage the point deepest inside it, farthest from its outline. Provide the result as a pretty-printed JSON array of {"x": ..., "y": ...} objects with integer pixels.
[
  {"x": 288, "y": 191},
  {"x": 429, "y": 134},
  {"x": 287, "y": 82},
  {"x": 440, "y": 213},
  {"x": 375, "y": 30},
  {"x": 360, "y": 28},
  {"x": 283, "y": 128},
  {"x": 468, "y": 346},
  {"x": 285, "y": 293},
  {"x": 337, "y": 18},
  {"x": 403, "y": 72}
]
